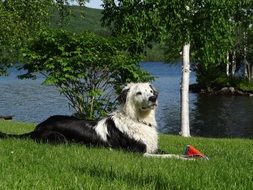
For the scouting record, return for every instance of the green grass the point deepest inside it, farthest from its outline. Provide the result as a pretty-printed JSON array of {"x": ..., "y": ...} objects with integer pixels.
[{"x": 25, "y": 164}]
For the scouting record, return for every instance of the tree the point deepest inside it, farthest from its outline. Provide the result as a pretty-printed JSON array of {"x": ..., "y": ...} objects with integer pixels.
[
  {"x": 21, "y": 20},
  {"x": 88, "y": 69},
  {"x": 250, "y": 48},
  {"x": 221, "y": 52},
  {"x": 154, "y": 20},
  {"x": 244, "y": 19},
  {"x": 203, "y": 25}
]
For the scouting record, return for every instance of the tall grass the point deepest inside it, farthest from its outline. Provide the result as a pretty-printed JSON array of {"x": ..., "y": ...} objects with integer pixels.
[{"x": 25, "y": 164}]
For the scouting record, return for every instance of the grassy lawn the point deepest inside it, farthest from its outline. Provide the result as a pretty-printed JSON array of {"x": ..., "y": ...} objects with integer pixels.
[{"x": 25, "y": 164}]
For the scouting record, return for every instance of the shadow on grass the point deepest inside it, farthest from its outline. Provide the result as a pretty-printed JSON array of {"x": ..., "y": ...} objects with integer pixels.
[{"x": 132, "y": 178}]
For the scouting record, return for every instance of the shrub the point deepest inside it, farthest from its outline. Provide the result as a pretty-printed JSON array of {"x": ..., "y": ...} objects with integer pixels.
[
  {"x": 88, "y": 69},
  {"x": 246, "y": 86},
  {"x": 215, "y": 80},
  {"x": 210, "y": 77}
]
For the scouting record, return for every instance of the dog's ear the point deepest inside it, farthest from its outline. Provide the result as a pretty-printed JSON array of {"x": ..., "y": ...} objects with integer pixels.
[
  {"x": 123, "y": 96},
  {"x": 154, "y": 90}
]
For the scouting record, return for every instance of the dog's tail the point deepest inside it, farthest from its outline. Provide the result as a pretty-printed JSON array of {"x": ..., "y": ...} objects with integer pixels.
[{"x": 21, "y": 136}]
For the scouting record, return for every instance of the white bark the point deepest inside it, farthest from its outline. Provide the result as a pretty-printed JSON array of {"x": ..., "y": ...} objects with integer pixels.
[
  {"x": 233, "y": 64},
  {"x": 227, "y": 68},
  {"x": 245, "y": 62},
  {"x": 185, "y": 119}
]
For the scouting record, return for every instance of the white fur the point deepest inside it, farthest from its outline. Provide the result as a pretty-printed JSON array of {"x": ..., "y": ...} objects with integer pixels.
[
  {"x": 137, "y": 130},
  {"x": 182, "y": 157},
  {"x": 136, "y": 117},
  {"x": 101, "y": 129}
]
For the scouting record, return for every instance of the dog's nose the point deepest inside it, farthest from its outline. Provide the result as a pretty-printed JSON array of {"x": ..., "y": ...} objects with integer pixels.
[{"x": 152, "y": 98}]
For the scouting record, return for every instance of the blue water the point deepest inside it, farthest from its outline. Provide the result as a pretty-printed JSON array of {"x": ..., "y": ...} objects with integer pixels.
[
  {"x": 168, "y": 83},
  {"x": 210, "y": 116}
]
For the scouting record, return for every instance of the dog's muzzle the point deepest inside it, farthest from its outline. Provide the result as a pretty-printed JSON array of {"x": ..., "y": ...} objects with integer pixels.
[{"x": 152, "y": 98}]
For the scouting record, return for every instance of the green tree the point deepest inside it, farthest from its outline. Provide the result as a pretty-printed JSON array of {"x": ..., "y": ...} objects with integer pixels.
[
  {"x": 224, "y": 43},
  {"x": 244, "y": 21},
  {"x": 147, "y": 21},
  {"x": 88, "y": 69},
  {"x": 21, "y": 20},
  {"x": 250, "y": 46},
  {"x": 205, "y": 26}
]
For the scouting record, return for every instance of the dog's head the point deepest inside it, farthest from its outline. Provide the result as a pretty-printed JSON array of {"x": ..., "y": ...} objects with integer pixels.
[{"x": 142, "y": 96}]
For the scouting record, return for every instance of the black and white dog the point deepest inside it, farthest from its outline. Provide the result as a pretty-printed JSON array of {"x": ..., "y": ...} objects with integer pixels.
[{"x": 132, "y": 127}]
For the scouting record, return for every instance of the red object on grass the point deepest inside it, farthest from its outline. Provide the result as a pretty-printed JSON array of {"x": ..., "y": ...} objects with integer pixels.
[{"x": 191, "y": 151}]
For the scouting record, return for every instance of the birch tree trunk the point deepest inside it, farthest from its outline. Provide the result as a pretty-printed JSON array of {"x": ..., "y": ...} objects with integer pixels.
[
  {"x": 227, "y": 66},
  {"x": 185, "y": 119},
  {"x": 233, "y": 65}
]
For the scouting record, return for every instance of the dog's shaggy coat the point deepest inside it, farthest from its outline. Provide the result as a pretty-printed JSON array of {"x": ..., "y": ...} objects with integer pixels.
[{"x": 132, "y": 127}]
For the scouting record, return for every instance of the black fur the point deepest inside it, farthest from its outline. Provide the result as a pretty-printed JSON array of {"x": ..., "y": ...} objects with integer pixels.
[
  {"x": 60, "y": 129},
  {"x": 123, "y": 96},
  {"x": 67, "y": 128},
  {"x": 117, "y": 139},
  {"x": 155, "y": 92}
]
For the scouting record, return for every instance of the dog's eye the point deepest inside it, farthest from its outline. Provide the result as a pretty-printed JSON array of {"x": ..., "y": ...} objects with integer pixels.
[
  {"x": 151, "y": 91},
  {"x": 138, "y": 93}
]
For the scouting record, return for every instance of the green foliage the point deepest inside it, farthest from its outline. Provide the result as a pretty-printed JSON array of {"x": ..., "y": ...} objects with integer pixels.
[
  {"x": 210, "y": 26},
  {"x": 21, "y": 20},
  {"x": 136, "y": 20},
  {"x": 245, "y": 85},
  {"x": 86, "y": 68},
  {"x": 214, "y": 80},
  {"x": 211, "y": 77},
  {"x": 250, "y": 45},
  {"x": 73, "y": 166},
  {"x": 227, "y": 23},
  {"x": 81, "y": 19}
]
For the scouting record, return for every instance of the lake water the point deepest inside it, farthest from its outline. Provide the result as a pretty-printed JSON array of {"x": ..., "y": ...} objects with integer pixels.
[{"x": 210, "y": 116}]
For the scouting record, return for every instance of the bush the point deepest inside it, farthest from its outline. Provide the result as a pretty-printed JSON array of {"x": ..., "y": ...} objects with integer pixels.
[
  {"x": 213, "y": 81},
  {"x": 245, "y": 86},
  {"x": 210, "y": 77},
  {"x": 88, "y": 69}
]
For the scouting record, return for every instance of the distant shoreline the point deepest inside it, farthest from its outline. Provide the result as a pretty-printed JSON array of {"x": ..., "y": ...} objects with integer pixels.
[{"x": 228, "y": 91}]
